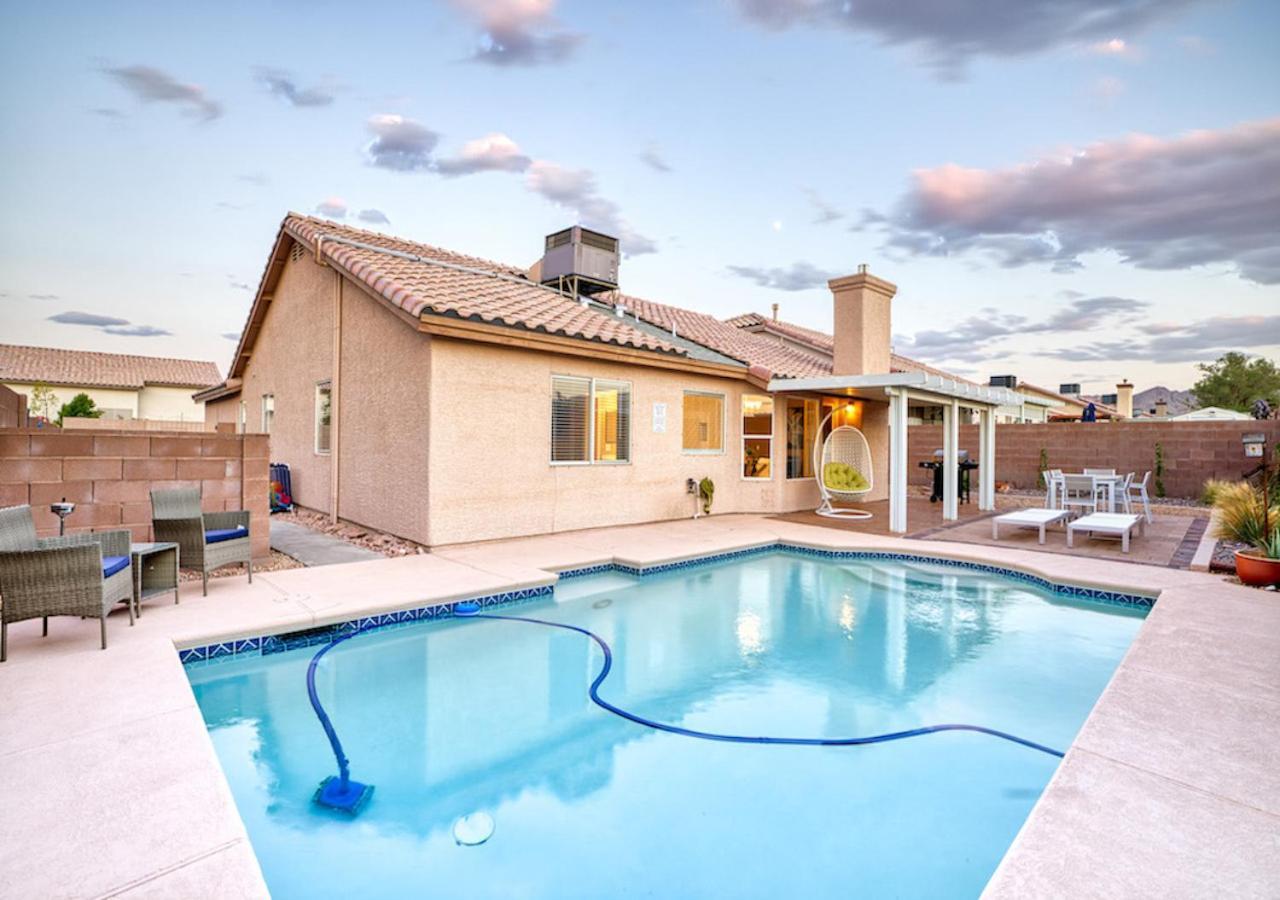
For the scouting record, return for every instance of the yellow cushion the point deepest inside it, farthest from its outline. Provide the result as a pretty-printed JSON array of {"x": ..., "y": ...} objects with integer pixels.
[{"x": 838, "y": 476}]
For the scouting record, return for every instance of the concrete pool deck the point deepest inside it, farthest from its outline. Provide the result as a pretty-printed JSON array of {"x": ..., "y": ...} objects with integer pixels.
[{"x": 112, "y": 788}]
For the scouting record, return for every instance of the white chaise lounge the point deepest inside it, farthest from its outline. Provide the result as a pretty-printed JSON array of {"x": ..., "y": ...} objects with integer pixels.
[
  {"x": 1029, "y": 518},
  {"x": 1120, "y": 525}
]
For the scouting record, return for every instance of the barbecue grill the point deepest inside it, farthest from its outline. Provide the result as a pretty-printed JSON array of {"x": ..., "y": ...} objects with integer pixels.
[{"x": 963, "y": 468}]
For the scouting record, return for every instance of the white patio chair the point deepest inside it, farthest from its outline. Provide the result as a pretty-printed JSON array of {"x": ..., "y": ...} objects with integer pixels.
[
  {"x": 849, "y": 477},
  {"x": 1123, "y": 488},
  {"x": 1139, "y": 492},
  {"x": 1052, "y": 488},
  {"x": 1080, "y": 493}
]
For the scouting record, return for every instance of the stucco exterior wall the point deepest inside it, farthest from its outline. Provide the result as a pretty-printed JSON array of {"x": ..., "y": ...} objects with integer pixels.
[
  {"x": 384, "y": 419},
  {"x": 169, "y": 404},
  {"x": 125, "y": 401},
  {"x": 293, "y": 352},
  {"x": 490, "y": 471}
]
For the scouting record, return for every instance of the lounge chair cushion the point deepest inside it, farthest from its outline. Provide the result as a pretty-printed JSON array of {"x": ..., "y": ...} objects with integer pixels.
[
  {"x": 225, "y": 534},
  {"x": 838, "y": 476},
  {"x": 113, "y": 564}
]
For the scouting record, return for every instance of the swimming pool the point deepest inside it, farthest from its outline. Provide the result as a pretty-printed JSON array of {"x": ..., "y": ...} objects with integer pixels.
[{"x": 456, "y": 716}]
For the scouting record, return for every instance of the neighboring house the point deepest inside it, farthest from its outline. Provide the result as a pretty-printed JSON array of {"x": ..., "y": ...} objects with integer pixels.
[
  {"x": 446, "y": 398},
  {"x": 1211, "y": 414},
  {"x": 1065, "y": 407},
  {"x": 122, "y": 386}
]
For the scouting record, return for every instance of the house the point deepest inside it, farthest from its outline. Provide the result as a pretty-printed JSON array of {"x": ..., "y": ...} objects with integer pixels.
[
  {"x": 446, "y": 398},
  {"x": 121, "y": 385},
  {"x": 1211, "y": 414}
]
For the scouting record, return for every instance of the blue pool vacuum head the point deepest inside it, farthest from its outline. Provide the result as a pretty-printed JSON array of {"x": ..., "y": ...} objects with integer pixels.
[
  {"x": 344, "y": 795},
  {"x": 466, "y": 608}
]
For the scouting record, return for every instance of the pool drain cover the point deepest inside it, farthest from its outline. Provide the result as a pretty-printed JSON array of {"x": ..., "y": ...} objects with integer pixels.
[
  {"x": 601, "y": 604},
  {"x": 473, "y": 829}
]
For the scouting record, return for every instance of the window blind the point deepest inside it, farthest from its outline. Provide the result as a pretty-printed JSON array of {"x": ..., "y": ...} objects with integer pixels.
[{"x": 570, "y": 398}]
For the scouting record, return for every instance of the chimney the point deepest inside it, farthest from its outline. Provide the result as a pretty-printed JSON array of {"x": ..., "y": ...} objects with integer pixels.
[
  {"x": 775, "y": 312},
  {"x": 1124, "y": 399},
  {"x": 1162, "y": 409},
  {"x": 862, "y": 323}
]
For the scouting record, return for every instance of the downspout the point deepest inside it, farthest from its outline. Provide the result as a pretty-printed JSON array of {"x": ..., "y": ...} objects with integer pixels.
[{"x": 335, "y": 402}]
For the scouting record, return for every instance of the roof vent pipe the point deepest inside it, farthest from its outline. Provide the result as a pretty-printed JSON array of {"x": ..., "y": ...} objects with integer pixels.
[{"x": 620, "y": 311}]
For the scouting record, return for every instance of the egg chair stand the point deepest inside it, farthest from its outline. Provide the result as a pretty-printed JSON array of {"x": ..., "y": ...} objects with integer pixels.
[{"x": 847, "y": 445}]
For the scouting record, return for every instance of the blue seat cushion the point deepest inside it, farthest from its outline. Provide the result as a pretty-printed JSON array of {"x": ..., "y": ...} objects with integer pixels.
[
  {"x": 225, "y": 534},
  {"x": 113, "y": 564}
]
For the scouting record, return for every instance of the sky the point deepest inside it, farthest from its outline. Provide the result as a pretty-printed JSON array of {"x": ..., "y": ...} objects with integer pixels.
[{"x": 1065, "y": 192}]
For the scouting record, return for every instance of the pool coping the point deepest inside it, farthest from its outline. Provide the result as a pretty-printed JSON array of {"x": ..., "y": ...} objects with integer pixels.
[
  {"x": 280, "y": 641},
  {"x": 1068, "y": 844}
]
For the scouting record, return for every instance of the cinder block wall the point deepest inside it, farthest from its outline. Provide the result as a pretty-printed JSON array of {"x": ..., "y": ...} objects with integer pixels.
[
  {"x": 109, "y": 476},
  {"x": 1193, "y": 451}
]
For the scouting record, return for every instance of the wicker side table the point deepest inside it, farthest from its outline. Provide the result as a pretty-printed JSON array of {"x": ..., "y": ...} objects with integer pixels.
[{"x": 155, "y": 571}]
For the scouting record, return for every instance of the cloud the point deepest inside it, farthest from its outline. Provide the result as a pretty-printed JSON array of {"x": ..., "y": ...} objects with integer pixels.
[
  {"x": 1196, "y": 45},
  {"x": 231, "y": 335},
  {"x": 151, "y": 85},
  {"x": 1197, "y": 341},
  {"x": 239, "y": 285},
  {"x": 1117, "y": 47},
  {"x": 519, "y": 32},
  {"x": 83, "y": 318},
  {"x": 43, "y": 296},
  {"x": 824, "y": 212},
  {"x": 281, "y": 84},
  {"x": 1202, "y": 198},
  {"x": 799, "y": 276},
  {"x": 332, "y": 208},
  {"x": 653, "y": 160},
  {"x": 575, "y": 189},
  {"x": 951, "y": 34},
  {"x": 107, "y": 112},
  {"x": 373, "y": 217},
  {"x": 972, "y": 339},
  {"x": 137, "y": 331},
  {"x": 1108, "y": 87},
  {"x": 400, "y": 144},
  {"x": 257, "y": 179},
  {"x": 492, "y": 153}
]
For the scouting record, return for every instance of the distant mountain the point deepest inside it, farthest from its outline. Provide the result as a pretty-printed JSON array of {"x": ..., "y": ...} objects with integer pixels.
[{"x": 1179, "y": 401}]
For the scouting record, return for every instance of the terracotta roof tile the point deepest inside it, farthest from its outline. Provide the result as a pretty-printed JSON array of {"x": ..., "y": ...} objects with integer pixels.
[
  {"x": 108, "y": 370},
  {"x": 451, "y": 284},
  {"x": 824, "y": 344}
]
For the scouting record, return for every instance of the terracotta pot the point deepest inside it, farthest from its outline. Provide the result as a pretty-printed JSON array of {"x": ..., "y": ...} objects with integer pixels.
[{"x": 1257, "y": 570}]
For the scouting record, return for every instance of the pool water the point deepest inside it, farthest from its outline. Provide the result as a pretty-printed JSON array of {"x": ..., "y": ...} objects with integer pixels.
[{"x": 459, "y": 716}]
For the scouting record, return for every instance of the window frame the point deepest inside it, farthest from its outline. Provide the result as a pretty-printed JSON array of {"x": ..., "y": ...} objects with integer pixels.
[
  {"x": 591, "y": 421},
  {"x": 742, "y": 443},
  {"x": 803, "y": 402},
  {"x": 268, "y": 412},
  {"x": 724, "y": 424},
  {"x": 321, "y": 387}
]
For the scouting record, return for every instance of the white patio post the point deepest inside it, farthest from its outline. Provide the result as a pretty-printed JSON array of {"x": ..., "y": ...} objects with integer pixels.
[
  {"x": 898, "y": 461},
  {"x": 987, "y": 459},
  {"x": 950, "y": 447}
]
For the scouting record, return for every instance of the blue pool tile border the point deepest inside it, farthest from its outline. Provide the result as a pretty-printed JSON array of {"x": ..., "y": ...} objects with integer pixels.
[{"x": 325, "y": 634}]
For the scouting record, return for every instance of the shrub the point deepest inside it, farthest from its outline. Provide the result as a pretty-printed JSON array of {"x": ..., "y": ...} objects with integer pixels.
[
  {"x": 1240, "y": 519},
  {"x": 81, "y": 406},
  {"x": 1159, "y": 470},
  {"x": 1209, "y": 492}
]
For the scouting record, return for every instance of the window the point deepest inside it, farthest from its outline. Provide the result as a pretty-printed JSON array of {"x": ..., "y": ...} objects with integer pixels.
[
  {"x": 242, "y": 421},
  {"x": 802, "y": 429},
  {"x": 590, "y": 420},
  {"x": 323, "y": 410},
  {"x": 757, "y": 436},
  {"x": 702, "y": 423},
  {"x": 268, "y": 412}
]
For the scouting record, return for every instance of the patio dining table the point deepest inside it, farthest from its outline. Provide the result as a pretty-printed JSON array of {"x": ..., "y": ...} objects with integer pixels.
[{"x": 1110, "y": 483}]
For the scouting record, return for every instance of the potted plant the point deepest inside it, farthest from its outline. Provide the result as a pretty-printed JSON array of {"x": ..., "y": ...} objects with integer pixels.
[
  {"x": 1244, "y": 517},
  {"x": 706, "y": 493}
]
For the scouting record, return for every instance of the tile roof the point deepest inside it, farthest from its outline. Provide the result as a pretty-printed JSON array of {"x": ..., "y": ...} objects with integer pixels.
[
  {"x": 753, "y": 349},
  {"x": 451, "y": 284},
  {"x": 107, "y": 370},
  {"x": 823, "y": 343}
]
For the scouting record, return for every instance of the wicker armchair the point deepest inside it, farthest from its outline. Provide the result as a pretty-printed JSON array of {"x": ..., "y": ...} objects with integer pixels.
[
  {"x": 206, "y": 541},
  {"x": 61, "y": 576}
]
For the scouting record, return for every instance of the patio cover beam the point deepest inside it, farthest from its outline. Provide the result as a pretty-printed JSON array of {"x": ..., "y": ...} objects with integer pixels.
[
  {"x": 950, "y": 460},
  {"x": 898, "y": 460},
  {"x": 986, "y": 460}
]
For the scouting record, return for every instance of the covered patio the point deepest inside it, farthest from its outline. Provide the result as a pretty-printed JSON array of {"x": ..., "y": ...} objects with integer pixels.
[{"x": 905, "y": 389}]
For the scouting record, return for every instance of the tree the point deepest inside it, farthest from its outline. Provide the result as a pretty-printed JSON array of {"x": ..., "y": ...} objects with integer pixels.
[
  {"x": 1237, "y": 382},
  {"x": 80, "y": 407},
  {"x": 42, "y": 399}
]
